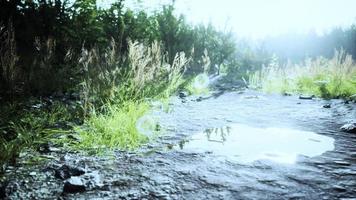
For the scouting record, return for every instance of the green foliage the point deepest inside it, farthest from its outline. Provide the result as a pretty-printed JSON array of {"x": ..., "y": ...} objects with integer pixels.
[
  {"x": 115, "y": 128},
  {"x": 327, "y": 78},
  {"x": 48, "y": 47},
  {"x": 30, "y": 128},
  {"x": 247, "y": 60},
  {"x": 145, "y": 73},
  {"x": 114, "y": 58},
  {"x": 121, "y": 92}
]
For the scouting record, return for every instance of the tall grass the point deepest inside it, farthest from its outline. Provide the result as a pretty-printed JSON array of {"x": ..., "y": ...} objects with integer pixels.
[
  {"x": 119, "y": 85},
  {"x": 327, "y": 78},
  {"x": 8, "y": 58},
  {"x": 112, "y": 99},
  {"x": 115, "y": 128},
  {"x": 23, "y": 128},
  {"x": 144, "y": 72}
]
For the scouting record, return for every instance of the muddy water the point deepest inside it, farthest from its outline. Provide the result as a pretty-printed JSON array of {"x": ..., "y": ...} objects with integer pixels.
[
  {"x": 229, "y": 146},
  {"x": 245, "y": 144},
  {"x": 256, "y": 144}
]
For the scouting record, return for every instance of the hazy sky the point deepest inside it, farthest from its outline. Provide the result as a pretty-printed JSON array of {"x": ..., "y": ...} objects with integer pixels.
[{"x": 258, "y": 18}]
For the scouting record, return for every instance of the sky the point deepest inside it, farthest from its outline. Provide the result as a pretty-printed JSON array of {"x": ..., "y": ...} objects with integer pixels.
[{"x": 260, "y": 18}]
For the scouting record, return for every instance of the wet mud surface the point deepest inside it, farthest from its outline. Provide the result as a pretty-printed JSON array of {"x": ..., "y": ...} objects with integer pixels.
[{"x": 181, "y": 164}]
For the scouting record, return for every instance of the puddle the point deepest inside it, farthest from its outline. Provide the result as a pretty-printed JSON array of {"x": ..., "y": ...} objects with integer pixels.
[{"x": 246, "y": 144}]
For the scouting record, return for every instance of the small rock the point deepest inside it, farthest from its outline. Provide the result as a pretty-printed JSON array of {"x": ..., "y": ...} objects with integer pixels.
[
  {"x": 296, "y": 196},
  {"x": 182, "y": 94},
  {"x": 74, "y": 185},
  {"x": 251, "y": 97},
  {"x": 33, "y": 174},
  {"x": 306, "y": 97},
  {"x": 199, "y": 99},
  {"x": 339, "y": 188},
  {"x": 349, "y": 128},
  {"x": 340, "y": 162},
  {"x": 327, "y": 106},
  {"x": 122, "y": 182},
  {"x": 63, "y": 158},
  {"x": 352, "y": 154},
  {"x": 54, "y": 149},
  {"x": 65, "y": 172},
  {"x": 287, "y": 94}
]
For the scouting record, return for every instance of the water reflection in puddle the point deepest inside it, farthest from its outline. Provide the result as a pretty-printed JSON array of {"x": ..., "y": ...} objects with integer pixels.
[{"x": 246, "y": 144}]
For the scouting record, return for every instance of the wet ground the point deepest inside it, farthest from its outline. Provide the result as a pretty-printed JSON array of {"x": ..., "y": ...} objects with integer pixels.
[{"x": 235, "y": 145}]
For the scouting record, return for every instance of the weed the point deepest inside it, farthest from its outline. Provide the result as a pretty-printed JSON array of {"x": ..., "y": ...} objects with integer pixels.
[
  {"x": 116, "y": 128},
  {"x": 30, "y": 129},
  {"x": 327, "y": 78}
]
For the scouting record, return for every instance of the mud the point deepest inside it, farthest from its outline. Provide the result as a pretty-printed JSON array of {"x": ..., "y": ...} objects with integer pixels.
[{"x": 175, "y": 167}]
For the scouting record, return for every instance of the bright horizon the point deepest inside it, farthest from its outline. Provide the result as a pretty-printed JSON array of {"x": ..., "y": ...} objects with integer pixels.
[{"x": 260, "y": 18}]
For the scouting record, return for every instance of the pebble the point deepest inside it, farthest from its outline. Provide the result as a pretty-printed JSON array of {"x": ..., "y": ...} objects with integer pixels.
[
  {"x": 306, "y": 97},
  {"x": 65, "y": 172},
  {"x": 327, "y": 106},
  {"x": 349, "y": 128},
  {"x": 74, "y": 185}
]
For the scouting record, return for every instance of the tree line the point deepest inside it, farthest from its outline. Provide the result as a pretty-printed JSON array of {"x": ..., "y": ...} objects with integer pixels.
[
  {"x": 296, "y": 46},
  {"x": 42, "y": 41}
]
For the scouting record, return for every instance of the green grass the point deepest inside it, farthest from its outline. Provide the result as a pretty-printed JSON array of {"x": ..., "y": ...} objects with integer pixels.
[
  {"x": 326, "y": 78},
  {"x": 112, "y": 100},
  {"x": 29, "y": 128},
  {"x": 122, "y": 95},
  {"x": 116, "y": 128}
]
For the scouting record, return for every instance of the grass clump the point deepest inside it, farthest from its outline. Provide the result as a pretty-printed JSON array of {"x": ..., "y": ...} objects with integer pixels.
[
  {"x": 115, "y": 89},
  {"x": 115, "y": 128},
  {"x": 112, "y": 98},
  {"x": 23, "y": 127},
  {"x": 326, "y": 78}
]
